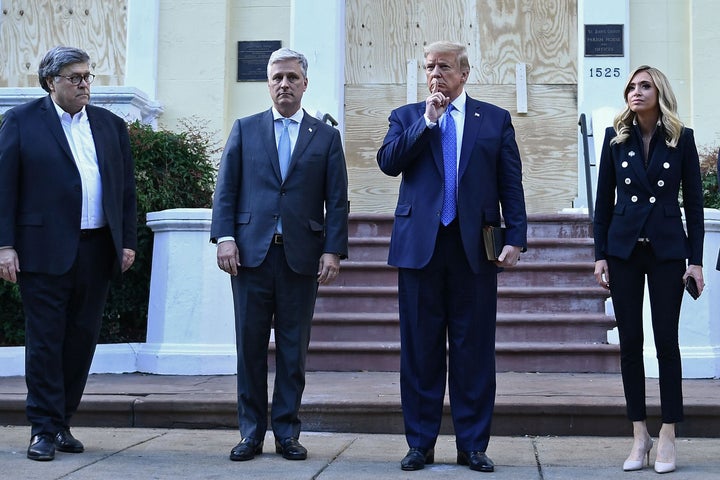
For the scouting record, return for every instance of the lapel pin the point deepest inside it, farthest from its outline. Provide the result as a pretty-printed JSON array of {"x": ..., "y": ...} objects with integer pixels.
[
  {"x": 477, "y": 114},
  {"x": 309, "y": 129}
]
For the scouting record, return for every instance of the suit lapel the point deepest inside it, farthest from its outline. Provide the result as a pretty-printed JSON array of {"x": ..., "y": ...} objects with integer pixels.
[
  {"x": 435, "y": 144},
  {"x": 51, "y": 119},
  {"x": 99, "y": 132},
  {"x": 267, "y": 134},
  {"x": 471, "y": 129},
  {"x": 634, "y": 156},
  {"x": 308, "y": 128}
]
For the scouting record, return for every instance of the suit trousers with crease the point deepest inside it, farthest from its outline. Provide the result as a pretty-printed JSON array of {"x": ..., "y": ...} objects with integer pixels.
[
  {"x": 272, "y": 295},
  {"x": 665, "y": 288},
  {"x": 63, "y": 316},
  {"x": 447, "y": 302}
]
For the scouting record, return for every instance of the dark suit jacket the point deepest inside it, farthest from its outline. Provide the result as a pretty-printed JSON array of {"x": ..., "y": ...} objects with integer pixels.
[
  {"x": 312, "y": 201},
  {"x": 489, "y": 176},
  {"x": 647, "y": 201},
  {"x": 41, "y": 192}
]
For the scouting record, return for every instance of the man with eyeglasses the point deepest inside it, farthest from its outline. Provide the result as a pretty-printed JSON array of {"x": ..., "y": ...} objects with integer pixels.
[{"x": 67, "y": 226}]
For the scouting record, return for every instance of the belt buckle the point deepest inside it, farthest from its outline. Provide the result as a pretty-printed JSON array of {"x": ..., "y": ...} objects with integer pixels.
[{"x": 277, "y": 239}]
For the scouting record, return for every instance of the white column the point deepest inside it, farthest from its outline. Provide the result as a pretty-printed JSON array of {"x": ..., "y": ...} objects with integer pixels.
[
  {"x": 699, "y": 319},
  {"x": 191, "y": 327},
  {"x": 600, "y": 82},
  {"x": 317, "y": 30},
  {"x": 141, "y": 57}
]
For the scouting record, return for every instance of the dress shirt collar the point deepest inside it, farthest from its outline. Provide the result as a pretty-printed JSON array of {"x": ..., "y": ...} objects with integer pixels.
[
  {"x": 82, "y": 114},
  {"x": 296, "y": 117},
  {"x": 459, "y": 102}
]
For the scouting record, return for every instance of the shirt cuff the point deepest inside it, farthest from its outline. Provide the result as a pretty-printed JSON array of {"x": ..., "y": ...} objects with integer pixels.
[
  {"x": 225, "y": 239},
  {"x": 428, "y": 123}
]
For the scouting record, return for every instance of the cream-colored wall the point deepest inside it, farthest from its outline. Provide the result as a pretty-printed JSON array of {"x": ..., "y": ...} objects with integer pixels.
[
  {"x": 681, "y": 38},
  {"x": 252, "y": 20},
  {"x": 192, "y": 66},
  {"x": 705, "y": 65}
]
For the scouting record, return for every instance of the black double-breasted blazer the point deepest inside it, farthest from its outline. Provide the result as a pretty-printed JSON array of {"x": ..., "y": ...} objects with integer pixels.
[{"x": 647, "y": 204}]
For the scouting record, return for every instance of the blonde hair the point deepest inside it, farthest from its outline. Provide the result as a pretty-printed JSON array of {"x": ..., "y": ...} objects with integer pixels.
[
  {"x": 668, "y": 109},
  {"x": 445, "y": 46}
]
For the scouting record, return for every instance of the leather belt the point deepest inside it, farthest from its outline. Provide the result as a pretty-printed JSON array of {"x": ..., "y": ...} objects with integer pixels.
[
  {"x": 277, "y": 239},
  {"x": 89, "y": 232},
  {"x": 644, "y": 241}
]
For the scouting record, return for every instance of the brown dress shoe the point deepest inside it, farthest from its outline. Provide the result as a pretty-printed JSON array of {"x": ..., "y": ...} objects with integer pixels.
[
  {"x": 290, "y": 449},
  {"x": 42, "y": 447},
  {"x": 65, "y": 442},
  {"x": 246, "y": 450}
]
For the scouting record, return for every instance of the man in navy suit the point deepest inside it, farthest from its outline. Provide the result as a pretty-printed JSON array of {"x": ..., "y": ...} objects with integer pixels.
[
  {"x": 280, "y": 219},
  {"x": 67, "y": 226},
  {"x": 460, "y": 164}
]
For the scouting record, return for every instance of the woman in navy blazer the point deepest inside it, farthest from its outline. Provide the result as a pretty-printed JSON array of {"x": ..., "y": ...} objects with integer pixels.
[{"x": 647, "y": 156}]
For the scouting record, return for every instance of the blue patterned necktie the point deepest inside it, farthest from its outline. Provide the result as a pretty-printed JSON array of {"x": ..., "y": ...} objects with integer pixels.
[
  {"x": 449, "y": 151},
  {"x": 284, "y": 148}
]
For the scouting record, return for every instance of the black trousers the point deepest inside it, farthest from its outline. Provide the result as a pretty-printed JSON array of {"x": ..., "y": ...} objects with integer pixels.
[
  {"x": 63, "y": 314},
  {"x": 665, "y": 288},
  {"x": 272, "y": 295}
]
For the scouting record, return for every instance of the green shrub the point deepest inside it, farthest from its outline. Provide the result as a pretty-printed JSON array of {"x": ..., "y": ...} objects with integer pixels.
[
  {"x": 172, "y": 170},
  {"x": 709, "y": 172}
]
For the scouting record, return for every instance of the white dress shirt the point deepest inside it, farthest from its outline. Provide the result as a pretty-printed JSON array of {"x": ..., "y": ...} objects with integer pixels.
[{"x": 79, "y": 136}]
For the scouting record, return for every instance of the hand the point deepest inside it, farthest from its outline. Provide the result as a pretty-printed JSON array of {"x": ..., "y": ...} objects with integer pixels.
[
  {"x": 436, "y": 103},
  {"x": 228, "y": 257},
  {"x": 509, "y": 256},
  {"x": 128, "y": 259},
  {"x": 328, "y": 268},
  {"x": 696, "y": 272},
  {"x": 9, "y": 264},
  {"x": 602, "y": 274}
]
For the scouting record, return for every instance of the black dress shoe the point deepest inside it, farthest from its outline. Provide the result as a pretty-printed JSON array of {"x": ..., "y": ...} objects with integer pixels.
[
  {"x": 246, "y": 450},
  {"x": 477, "y": 461},
  {"x": 65, "y": 442},
  {"x": 290, "y": 449},
  {"x": 417, "y": 458},
  {"x": 41, "y": 447}
]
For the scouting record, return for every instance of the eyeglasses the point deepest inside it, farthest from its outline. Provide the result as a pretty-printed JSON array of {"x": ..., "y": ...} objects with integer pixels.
[{"x": 76, "y": 79}]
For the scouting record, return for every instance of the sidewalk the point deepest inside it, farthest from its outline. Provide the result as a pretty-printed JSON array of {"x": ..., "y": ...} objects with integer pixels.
[{"x": 175, "y": 454}]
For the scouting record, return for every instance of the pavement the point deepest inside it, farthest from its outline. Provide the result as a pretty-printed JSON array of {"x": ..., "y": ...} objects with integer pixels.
[
  {"x": 547, "y": 426},
  {"x": 173, "y": 454}
]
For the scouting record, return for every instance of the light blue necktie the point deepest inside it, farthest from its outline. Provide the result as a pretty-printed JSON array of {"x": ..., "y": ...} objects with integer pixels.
[
  {"x": 284, "y": 148},
  {"x": 449, "y": 150},
  {"x": 283, "y": 156}
]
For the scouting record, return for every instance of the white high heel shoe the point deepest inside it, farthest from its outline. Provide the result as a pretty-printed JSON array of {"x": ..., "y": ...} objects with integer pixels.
[
  {"x": 666, "y": 467},
  {"x": 631, "y": 465}
]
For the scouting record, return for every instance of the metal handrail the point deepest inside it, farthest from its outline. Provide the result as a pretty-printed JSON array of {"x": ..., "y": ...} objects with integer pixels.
[{"x": 586, "y": 153}]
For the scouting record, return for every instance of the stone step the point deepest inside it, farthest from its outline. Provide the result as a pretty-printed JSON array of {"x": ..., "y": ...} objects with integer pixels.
[
  {"x": 378, "y": 273},
  {"x": 510, "y": 357},
  {"x": 524, "y": 327},
  {"x": 531, "y": 299}
]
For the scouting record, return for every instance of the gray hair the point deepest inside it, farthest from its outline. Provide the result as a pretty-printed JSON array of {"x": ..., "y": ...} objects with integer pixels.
[
  {"x": 56, "y": 59},
  {"x": 283, "y": 54}
]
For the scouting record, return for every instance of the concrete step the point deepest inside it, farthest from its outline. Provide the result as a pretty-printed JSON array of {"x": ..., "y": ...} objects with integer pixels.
[
  {"x": 517, "y": 327},
  {"x": 378, "y": 356},
  {"x": 528, "y": 299},
  {"x": 526, "y": 404}
]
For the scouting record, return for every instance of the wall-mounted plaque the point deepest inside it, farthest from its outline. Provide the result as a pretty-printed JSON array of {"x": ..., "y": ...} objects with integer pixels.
[
  {"x": 253, "y": 57},
  {"x": 604, "y": 40}
]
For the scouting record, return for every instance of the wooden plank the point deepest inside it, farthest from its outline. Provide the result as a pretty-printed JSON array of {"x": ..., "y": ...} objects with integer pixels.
[
  {"x": 383, "y": 34},
  {"x": 29, "y": 28},
  {"x": 547, "y": 138}
]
